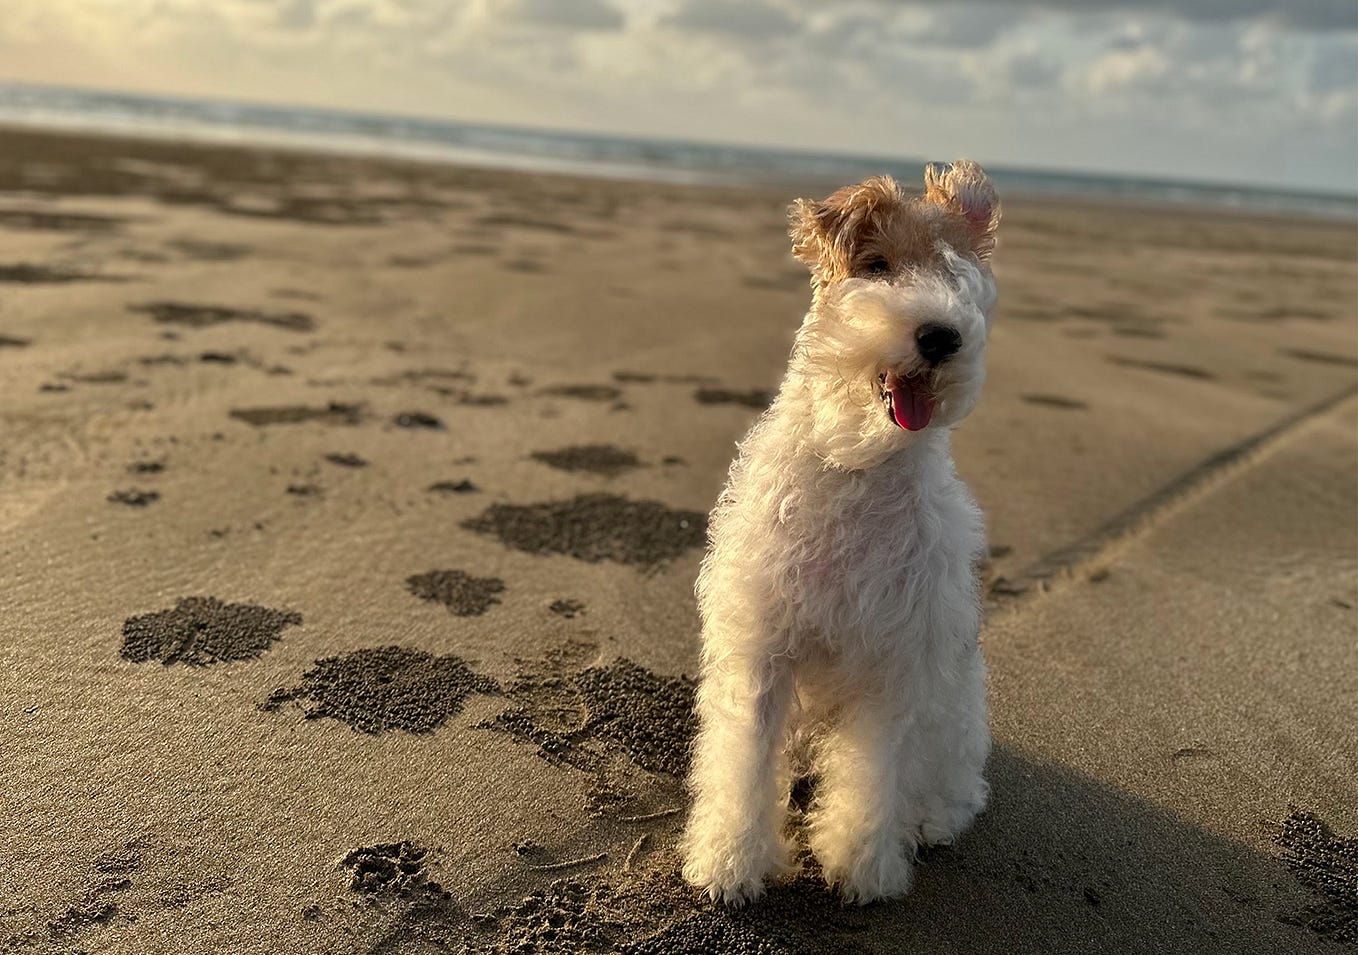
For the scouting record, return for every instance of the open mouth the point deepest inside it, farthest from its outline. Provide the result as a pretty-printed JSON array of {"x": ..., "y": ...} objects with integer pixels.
[{"x": 908, "y": 400}]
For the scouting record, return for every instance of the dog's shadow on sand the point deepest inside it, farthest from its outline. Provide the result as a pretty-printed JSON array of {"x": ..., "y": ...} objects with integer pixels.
[
  {"x": 1063, "y": 863},
  {"x": 1058, "y": 863}
]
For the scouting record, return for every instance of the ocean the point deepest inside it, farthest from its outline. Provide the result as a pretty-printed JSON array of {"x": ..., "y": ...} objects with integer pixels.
[{"x": 617, "y": 157}]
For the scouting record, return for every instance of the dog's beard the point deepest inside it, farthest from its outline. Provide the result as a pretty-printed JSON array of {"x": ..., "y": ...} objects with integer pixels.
[{"x": 837, "y": 366}]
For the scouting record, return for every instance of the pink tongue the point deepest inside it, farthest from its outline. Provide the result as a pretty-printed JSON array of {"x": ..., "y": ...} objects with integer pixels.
[{"x": 912, "y": 408}]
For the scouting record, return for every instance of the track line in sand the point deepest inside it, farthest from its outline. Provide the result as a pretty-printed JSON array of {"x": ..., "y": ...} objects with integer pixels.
[{"x": 1086, "y": 556}]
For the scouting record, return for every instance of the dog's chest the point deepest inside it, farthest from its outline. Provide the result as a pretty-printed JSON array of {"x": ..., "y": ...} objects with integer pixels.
[{"x": 874, "y": 554}]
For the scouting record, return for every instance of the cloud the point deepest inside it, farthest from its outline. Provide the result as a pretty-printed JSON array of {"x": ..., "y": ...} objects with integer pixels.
[
  {"x": 1334, "y": 68},
  {"x": 746, "y": 20},
  {"x": 570, "y": 14},
  {"x": 1302, "y": 14},
  {"x": 966, "y": 25}
]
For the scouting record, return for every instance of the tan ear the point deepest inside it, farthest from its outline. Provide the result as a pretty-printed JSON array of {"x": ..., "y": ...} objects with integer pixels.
[
  {"x": 826, "y": 234},
  {"x": 964, "y": 189}
]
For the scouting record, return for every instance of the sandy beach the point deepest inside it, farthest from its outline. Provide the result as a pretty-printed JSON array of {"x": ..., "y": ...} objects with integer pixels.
[{"x": 350, "y": 512}]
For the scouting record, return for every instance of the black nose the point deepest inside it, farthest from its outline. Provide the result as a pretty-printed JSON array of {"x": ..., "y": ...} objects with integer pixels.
[{"x": 938, "y": 343}]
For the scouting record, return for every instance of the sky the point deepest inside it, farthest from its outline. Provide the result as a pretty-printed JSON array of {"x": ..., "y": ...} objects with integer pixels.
[{"x": 1250, "y": 91}]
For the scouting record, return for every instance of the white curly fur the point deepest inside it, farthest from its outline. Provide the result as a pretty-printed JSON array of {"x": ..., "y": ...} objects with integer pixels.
[{"x": 840, "y": 606}]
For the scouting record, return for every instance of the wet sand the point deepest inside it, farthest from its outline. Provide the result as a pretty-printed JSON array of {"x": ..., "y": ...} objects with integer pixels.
[{"x": 350, "y": 510}]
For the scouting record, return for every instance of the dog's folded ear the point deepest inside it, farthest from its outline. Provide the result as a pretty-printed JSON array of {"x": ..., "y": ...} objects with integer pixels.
[
  {"x": 964, "y": 190},
  {"x": 826, "y": 234}
]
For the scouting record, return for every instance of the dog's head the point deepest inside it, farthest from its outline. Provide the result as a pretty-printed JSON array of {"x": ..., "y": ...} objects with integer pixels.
[{"x": 894, "y": 343}]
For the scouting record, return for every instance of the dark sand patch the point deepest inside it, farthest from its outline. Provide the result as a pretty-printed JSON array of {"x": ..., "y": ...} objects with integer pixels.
[
  {"x": 596, "y": 527},
  {"x": 595, "y": 458},
  {"x": 53, "y": 386},
  {"x": 410, "y": 261},
  {"x": 203, "y": 630},
  {"x": 8, "y": 342},
  {"x": 204, "y": 316},
  {"x": 647, "y": 377},
  {"x": 567, "y": 916},
  {"x": 167, "y": 359},
  {"x": 297, "y": 294},
  {"x": 304, "y": 490},
  {"x": 119, "y": 861},
  {"x": 134, "y": 498},
  {"x": 97, "y": 377},
  {"x": 419, "y": 914},
  {"x": 1320, "y": 357},
  {"x": 396, "y": 868},
  {"x": 418, "y": 419},
  {"x": 1276, "y": 313},
  {"x": 1168, "y": 368},
  {"x": 94, "y": 908},
  {"x": 524, "y": 265},
  {"x": 218, "y": 358},
  {"x": 463, "y": 594},
  {"x": 469, "y": 400},
  {"x": 649, "y": 717},
  {"x": 754, "y": 398},
  {"x": 146, "y": 467},
  {"x": 333, "y": 413},
  {"x": 210, "y": 251},
  {"x": 39, "y": 221},
  {"x": 583, "y": 392},
  {"x": 346, "y": 460},
  {"x": 571, "y": 713},
  {"x": 379, "y": 689},
  {"x": 463, "y": 486},
  {"x": 566, "y": 607},
  {"x": 96, "y": 905},
  {"x": 24, "y": 273},
  {"x": 1054, "y": 401},
  {"x": 1327, "y": 865},
  {"x": 417, "y": 375}
]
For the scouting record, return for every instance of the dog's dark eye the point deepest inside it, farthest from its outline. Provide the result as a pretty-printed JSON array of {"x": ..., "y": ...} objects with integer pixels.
[{"x": 877, "y": 266}]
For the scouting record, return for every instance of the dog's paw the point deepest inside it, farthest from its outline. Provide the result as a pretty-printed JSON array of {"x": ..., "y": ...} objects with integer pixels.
[
  {"x": 878, "y": 870},
  {"x": 732, "y": 867},
  {"x": 944, "y": 822},
  {"x": 865, "y": 871},
  {"x": 734, "y": 889}
]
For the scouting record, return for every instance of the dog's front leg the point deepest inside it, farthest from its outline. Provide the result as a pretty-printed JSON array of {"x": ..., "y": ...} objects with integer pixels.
[
  {"x": 946, "y": 774},
  {"x": 856, "y": 824},
  {"x": 734, "y": 837}
]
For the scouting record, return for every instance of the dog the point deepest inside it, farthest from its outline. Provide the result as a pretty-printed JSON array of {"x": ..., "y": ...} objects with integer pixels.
[{"x": 839, "y": 595}]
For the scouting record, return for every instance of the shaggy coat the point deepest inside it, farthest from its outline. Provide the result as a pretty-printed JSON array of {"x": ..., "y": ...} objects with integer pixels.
[{"x": 839, "y": 594}]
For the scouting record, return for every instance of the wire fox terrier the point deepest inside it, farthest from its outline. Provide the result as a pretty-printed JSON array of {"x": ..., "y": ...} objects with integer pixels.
[{"x": 839, "y": 594}]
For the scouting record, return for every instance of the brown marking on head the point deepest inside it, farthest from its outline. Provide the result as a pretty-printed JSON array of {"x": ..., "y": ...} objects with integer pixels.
[{"x": 875, "y": 228}]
